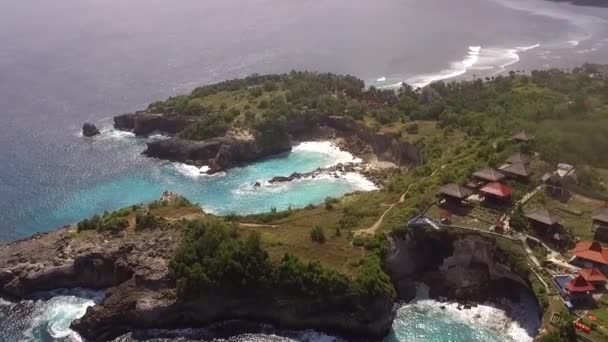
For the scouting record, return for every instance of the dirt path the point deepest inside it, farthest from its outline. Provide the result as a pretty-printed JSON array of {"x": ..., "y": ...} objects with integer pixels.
[
  {"x": 374, "y": 227},
  {"x": 256, "y": 225}
]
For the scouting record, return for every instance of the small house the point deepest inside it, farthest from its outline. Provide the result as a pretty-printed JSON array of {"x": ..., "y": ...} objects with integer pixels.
[
  {"x": 517, "y": 170},
  {"x": 454, "y": 193},
  {"x": 545, "y": 223},
  {"x": 600, "y": 224},
  {"x": 589, "y": 254},
  {"x": 519, "y": 158},
  {"x": 489, "y": 175},
  {"x": 496, "y": 193},
  {"x": 594, "y": 277},
  {"x": 522, "y": 137}
]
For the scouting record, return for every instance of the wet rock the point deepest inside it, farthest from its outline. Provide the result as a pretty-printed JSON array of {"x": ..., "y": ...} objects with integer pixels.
[{"x": 89, "y": 130}]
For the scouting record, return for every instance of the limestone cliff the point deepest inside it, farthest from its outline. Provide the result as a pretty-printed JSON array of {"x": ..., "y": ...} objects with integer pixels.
[
  {"x": 466, "y": 267},
  {"x": 140, "y": 291}
]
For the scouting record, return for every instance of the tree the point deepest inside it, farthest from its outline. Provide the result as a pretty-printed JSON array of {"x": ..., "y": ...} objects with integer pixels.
[{"x": 518, "y": 219}]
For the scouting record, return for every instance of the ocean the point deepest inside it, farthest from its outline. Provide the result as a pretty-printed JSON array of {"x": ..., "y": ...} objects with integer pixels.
[{"x": 66, "y": 62}]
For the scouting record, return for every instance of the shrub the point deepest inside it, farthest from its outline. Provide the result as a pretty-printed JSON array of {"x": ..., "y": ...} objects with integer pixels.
[
  {"x": 147, "y": 221},
  {"x": 317, "y": 234}
]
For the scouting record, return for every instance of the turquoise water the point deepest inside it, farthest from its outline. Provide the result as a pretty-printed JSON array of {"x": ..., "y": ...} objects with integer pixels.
[
  {"x": 48, "y": 319},
  {"x": 223, "y": 193}
]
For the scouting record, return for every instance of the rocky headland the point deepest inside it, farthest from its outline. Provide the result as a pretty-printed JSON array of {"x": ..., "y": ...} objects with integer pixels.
[
  {"x": 132, "y": 267},
  {"x": 243, "y": 145}
]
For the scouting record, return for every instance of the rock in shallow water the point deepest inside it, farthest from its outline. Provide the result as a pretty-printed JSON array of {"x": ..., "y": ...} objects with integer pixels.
[{"x": 89, "y": 130}]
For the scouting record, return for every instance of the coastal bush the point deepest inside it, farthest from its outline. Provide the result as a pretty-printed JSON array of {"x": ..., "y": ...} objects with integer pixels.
[
  {"x": 518, "y": 220},
  {"x": 214, "y": 257},
  {"x": 317, "y": 234},
  {"x": 371, "y": 281},
  {"x": 329, "y": 203},
  {"x": 175, "y": 202},
  {"x": 147, "y": 221},
  {"x": 214, "y": 125},
  {"x": 112, "y": 222}
]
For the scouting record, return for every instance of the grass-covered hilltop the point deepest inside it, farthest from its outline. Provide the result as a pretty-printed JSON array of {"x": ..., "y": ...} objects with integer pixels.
[{"x": 490, "y": 188}]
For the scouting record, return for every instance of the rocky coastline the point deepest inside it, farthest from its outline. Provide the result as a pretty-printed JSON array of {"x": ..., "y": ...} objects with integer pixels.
[
  {"x": 241, "y": 145},
  {"x": 140, "y": 291},
  {"x": 463, "y": 268}
]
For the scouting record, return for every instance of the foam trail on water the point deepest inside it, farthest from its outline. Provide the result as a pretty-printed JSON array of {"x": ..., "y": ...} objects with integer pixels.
[
  {"x": 428, "y": 320},
  {"x": 492, "y": 60},
  {"x": 328, "y": 148},
  {"x": 381, "y": 79}
]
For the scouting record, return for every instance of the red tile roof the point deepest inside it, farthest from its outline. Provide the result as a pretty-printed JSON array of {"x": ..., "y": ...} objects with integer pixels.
[
  {"x": 497, "y": 189},
  {"x": 579, "y": 284},
  {"x": 591, "y": 251},
  {"x": 593, "y": 275}
]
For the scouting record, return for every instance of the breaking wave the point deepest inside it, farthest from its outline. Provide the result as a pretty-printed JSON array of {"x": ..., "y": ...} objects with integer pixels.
[{"x": 491, "y": 61}]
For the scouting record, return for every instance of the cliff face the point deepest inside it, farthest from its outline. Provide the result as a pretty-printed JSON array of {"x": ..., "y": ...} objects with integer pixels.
[
  {"x": 461, "y": 267},
  {"x": 140, "y": 291},
  {"x": 133, "y": 306},
  {"x": 242, "y": 146},
  {"x": 144, "y": 123},
  {"x": 385, "y": 146},
  {"x": 236, "y": 147}
]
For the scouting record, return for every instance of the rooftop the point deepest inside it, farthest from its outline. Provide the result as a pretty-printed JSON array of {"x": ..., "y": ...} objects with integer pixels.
[
  {"x": 517, "y": 169},
  {"x": 497, "y": 189},
  {"x": 543, "y": 215},
  {"x": 601, "y": 215},
  {"x": 593, "y": 275},
  {"x": 523, "y": 136},
  {"x": 578, "y": 285},
  {"x": 592, "y": 251},
  {"x": 489, "y": 174},
  {"x": 519, "y": 158},
  {"x": 456, "y": 191}
]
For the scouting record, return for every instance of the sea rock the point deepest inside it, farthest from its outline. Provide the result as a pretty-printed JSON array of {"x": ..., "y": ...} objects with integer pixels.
[
  {"x": 89, "y": 130},
  {"x": 130, "y": 306},
  {"x": 183, "y": 150},
  {"x": 235, "y": 148}
]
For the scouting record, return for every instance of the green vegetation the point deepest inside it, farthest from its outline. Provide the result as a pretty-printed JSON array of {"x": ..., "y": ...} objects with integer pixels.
[
  {"x": 111, "y": 222},
  {"x": 215, "y": 256},
  {"x": 317, "y": 234},
  {"x": 147, "y": 221}
]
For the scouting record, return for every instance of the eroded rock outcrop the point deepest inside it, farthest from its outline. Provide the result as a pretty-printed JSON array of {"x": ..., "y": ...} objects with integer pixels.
[
  {"x": 89, "y": 130},
  {"x": 131, "y": 306},
  {"x": 239, "y": 146},
  {"x": 466, "y": 267},
  {"x": 234, "y": 148}
]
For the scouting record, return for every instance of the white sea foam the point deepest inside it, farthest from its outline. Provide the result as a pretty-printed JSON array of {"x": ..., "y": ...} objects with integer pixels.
[
  {"x": 158, "y": 136},
  {"x": 381, "y": 79},
  {"x": 195, "y": 171},
  {"x": 329, "y": 149},
  {"x": 5, "y": 302},
  {"x": 110, "y": 133},
  {"x": 573, "y": 42},
  {"x": 492, "y": 60},
  {"x": 482, "y": 316}
]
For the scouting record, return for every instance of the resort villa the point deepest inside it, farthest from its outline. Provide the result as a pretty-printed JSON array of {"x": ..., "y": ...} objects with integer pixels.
[
  {"x": 600, "y": 224},
  {"x": 454, "y": 194},
  {"x": 522, "y": 137},
  {"x": 496, "y": 193},
  {"x": 546, "y": 224},
  {"x": 589, "y": 254}
]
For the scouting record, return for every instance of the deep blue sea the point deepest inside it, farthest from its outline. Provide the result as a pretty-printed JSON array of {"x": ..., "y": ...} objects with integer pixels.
[{"x": 66, "y": 62}]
